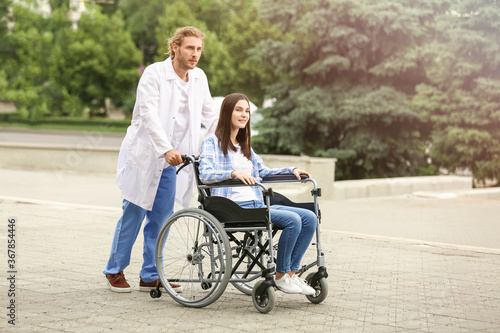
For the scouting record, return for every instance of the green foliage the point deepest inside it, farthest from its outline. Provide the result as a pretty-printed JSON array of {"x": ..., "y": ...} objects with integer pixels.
[
  {"x": 465, "y": 126},
  {"x": 27, "y": 64},
  {"x": 50, "y": 69},
  {"x": 385, "y": 86},
  {"x": 346, "y": 69},
  {"x": 243, "y": 30},
  {"x": 4, "y": 17},
  {"x": 67, "y": 123},
  {"x": 461, "y": 98},
  {"x": 389, "y": 88},
  {"x": 141, "y": 21},
  {"x": 99, "y": 60}
]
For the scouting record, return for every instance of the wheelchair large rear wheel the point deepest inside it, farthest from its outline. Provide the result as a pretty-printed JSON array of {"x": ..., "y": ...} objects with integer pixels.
[{"x": 193, "y": 251}]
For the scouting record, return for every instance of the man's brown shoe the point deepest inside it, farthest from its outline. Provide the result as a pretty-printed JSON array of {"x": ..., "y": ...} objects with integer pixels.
[
  {"x": 176, "y": 287},
  {"x": 147, "y": 286},
  {"x": 118, "y": 283}
]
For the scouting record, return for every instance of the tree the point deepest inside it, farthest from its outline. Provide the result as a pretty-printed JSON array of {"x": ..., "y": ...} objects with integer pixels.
[
  {"x": 99, "y": 60},
  {"x": 4, "y": 16},
  {"x": 245, "y": 29},
  {"x": 141, "y": 21},
  {"x": 48, "y": 68},
  {"x": 27, "y": 63},
  {"x": 461, "y": 98},
  {"x": 346, "y": 71}
]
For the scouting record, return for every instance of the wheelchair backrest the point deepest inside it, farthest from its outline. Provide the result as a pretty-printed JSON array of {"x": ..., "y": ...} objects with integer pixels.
[
  {"x": 225, "y": 210},
  {"x": 203, "y": 193}
]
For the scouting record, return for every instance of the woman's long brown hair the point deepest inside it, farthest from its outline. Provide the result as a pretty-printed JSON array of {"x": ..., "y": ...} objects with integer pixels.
[{"x": 223, "y": 130}]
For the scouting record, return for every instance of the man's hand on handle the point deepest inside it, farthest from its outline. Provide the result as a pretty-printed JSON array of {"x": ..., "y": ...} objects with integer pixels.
[{"x": 173, "y": 157}]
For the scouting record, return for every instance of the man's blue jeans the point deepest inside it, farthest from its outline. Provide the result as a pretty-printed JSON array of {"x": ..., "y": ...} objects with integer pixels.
[
  {"x": 129, "y": 225},
  {"x": 299, "y": 226}
]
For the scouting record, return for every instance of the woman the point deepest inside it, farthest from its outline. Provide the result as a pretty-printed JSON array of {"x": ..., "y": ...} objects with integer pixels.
[{"x": 228, "y": 154}]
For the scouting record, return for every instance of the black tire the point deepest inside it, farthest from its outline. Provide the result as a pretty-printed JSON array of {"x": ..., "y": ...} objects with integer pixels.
[
  {"x": 154, "y": 293},
  {"x": 321, "y": 288},
  {"x": 193, "y": 250},
  {"x": 264, "y": 302}
]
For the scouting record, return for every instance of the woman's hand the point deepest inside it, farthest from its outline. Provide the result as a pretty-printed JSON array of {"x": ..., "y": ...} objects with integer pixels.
[
  {"x": 244, "y": 177},
  {"x": 298, "y": 172}
]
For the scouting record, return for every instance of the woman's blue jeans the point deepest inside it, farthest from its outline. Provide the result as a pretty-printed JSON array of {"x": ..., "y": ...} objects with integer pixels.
[
  {"x": 299, "y": 226},
  {"x": 129, "y": 225}
]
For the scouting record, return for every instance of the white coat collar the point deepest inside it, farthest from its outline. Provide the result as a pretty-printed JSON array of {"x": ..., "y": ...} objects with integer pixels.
[{"x": 170, "y": 73}]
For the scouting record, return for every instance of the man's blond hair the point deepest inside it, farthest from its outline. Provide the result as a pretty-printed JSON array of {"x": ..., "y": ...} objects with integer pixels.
[{"x": 179, "y": 36}]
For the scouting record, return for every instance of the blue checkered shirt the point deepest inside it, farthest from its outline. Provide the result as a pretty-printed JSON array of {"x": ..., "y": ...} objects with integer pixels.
[{"x": 215, "y": 167}]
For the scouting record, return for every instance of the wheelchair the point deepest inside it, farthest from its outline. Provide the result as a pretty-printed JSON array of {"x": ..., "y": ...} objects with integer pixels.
[{"x": 206, "y": 248}]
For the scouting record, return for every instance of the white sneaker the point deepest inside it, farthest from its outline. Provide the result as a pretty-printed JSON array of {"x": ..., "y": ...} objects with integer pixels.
[
  {"x": 306, "y": 289},
  {"x": 286, "y": 285}
]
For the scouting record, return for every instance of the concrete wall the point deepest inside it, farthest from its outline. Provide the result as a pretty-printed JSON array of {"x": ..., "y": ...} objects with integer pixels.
[
  {"x": 59, "y": 158},
  {"x": 321, "y": 169},
  {"x": 88, "y": 158},
  {"x": 348, "y": 189}
]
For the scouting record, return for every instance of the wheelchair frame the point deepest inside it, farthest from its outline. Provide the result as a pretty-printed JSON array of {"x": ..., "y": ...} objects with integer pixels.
[{"x": 194, "y": 247}]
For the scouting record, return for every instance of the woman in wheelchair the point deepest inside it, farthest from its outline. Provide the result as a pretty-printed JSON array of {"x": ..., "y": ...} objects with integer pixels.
[{"x": 228, "y": 154}]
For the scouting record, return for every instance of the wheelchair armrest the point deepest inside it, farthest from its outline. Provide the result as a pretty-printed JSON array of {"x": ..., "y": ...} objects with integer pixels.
[
  {"x": 280, "y": 178},
  {"x": 272, "y": 178},
  {"x": 224, "y": 183},
  {"x": 233, "y": 183}
]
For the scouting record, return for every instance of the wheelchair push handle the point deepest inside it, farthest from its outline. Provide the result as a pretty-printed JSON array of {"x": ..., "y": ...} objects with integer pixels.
[{"x": 187, "y": 159}]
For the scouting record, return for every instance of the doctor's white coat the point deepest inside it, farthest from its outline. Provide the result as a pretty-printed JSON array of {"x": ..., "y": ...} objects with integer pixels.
[{"x": 142, "y": 153}]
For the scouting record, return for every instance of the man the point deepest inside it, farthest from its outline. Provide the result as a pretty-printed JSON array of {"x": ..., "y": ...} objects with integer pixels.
[{"x": 173, "y": 100}]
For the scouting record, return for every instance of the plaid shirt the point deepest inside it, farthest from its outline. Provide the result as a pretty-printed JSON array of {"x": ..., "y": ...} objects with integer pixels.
[{"x": 215, "y": 167}]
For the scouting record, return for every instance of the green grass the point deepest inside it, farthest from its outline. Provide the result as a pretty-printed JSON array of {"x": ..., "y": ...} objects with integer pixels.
[{"x": 68, "y": 124}]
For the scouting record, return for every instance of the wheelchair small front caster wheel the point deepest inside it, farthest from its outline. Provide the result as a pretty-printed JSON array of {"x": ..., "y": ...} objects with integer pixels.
[
  {"x": 321, "y": 288},
  {"x": 155, "y": 293},
  {"x": 206, "y": 285},
  {"x": 265, "y": 301}
]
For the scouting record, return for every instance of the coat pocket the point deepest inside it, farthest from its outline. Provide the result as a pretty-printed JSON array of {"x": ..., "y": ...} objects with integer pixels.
[{"x": 140, "y": 155}]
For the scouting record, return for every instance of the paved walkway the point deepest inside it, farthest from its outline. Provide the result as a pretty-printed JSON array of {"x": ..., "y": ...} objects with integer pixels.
[
  {"x": 395, "y": 265},
  {"x": 398, "y": 264}
]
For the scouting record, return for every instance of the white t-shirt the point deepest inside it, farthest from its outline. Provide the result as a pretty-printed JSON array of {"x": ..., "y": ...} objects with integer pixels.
[
  {"x": 242, "y": 164},
  {"x": 182, "y": 117}
]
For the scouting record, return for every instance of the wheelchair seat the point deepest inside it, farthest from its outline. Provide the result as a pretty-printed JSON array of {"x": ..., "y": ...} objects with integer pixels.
[
  {"x": 232, "y": 214},
  {"x": 228, "y": 211}
]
